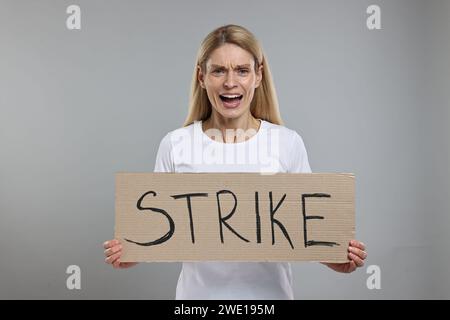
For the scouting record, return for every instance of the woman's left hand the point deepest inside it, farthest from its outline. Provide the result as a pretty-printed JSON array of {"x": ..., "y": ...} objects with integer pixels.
[{"x": 356, "y": 254}]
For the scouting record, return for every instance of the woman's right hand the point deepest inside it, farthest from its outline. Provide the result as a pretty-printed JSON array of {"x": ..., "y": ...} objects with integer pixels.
[{"x": 113, "y": 251}]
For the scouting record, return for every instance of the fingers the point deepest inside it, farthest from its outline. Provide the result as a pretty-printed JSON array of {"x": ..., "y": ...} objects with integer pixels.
[
  {"x": 110, "y": 243},
  {"x": 112, "y": 258},
  {"x": 357, "y": 260},
  {"x": 359, "y": 245},
  {"x": 113, "y": 250},
  {"x": 358, "y": 252}
]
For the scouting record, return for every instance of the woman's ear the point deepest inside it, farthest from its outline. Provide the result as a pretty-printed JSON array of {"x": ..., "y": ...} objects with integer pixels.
[
  {"x": 259, "y": 75},
  {"x": 200, "y": 77}
]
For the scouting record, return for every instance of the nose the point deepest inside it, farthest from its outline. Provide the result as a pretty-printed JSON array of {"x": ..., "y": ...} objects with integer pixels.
[{"x": 229, "y": 81}]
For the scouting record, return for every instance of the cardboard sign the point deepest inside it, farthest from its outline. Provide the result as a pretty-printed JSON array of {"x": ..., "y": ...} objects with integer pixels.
[{"x": 234, "y": 216}]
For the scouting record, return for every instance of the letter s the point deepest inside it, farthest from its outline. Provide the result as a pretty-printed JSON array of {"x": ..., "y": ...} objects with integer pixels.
[{"x": 165, "y": 237}]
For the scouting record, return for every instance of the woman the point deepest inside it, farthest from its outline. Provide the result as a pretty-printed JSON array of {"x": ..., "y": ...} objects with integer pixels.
[{"x": 233, "y": 112}]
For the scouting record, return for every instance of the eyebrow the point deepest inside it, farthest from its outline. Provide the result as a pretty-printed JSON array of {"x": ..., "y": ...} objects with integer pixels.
[{"x": 237, "y": 67}]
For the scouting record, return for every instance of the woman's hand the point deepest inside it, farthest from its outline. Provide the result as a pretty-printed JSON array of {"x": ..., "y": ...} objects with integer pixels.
[
  {"x": 356, "y": 254},
  {"x": 113, "y": 251}
]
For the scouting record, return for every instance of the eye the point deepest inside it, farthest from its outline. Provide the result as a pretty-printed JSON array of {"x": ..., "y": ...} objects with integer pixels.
[
  {"x": 243, "y": 71},
  {"x": 218, "y": 71}
]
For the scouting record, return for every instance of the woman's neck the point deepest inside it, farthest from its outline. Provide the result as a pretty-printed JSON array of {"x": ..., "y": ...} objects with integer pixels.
[{"x": 234, "y": 130}]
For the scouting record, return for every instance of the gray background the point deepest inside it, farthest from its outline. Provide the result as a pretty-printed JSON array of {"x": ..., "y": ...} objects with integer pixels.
[{"x": 78, "y": 106}]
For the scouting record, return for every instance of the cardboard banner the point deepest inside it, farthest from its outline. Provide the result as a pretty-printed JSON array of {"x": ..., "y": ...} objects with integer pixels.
[{"x": 235, "y": 216}]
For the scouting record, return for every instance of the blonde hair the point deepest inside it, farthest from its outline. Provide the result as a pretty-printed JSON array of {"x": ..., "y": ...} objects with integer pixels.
[{"x": 264, "y": 104}]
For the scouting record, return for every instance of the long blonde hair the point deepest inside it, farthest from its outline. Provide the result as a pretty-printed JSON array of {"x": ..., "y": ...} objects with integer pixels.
[{"x": 264, "y": 104}]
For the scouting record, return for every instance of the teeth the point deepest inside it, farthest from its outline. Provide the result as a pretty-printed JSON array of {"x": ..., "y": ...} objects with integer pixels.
[{"x": 231, "y": 96}]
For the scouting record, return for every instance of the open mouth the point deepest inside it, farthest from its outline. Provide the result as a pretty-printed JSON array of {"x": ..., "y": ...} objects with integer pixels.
[
  {"x": 231, "y": 101},
  {"x": 230, "y": 98}
]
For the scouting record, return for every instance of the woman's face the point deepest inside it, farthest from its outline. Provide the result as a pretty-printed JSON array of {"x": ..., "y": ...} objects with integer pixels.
[{"x": 230, "y": 80}]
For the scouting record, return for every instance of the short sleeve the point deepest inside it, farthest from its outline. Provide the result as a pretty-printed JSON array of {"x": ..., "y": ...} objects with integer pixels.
[
  {"x": 299, "y": 156},
  {"x": 164, "y": 157}
]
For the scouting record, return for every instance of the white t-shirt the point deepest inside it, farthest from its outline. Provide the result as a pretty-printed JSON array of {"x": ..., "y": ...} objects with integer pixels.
[{"x": 273, "y": 148}]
